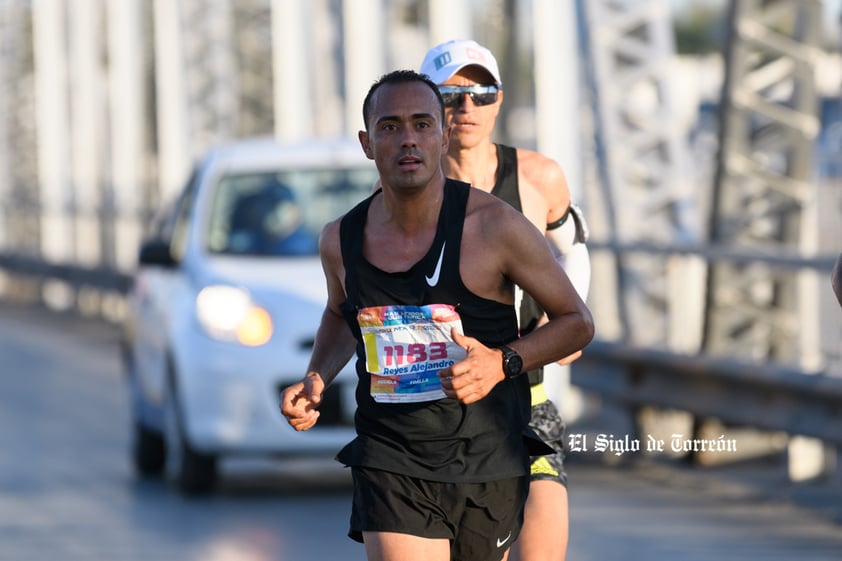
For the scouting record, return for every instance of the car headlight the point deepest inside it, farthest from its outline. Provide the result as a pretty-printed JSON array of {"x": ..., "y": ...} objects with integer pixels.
[{"x": 228, "y": 313}]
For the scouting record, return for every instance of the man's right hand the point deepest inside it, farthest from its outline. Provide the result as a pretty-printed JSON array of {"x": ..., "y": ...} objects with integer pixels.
[{"x": 299, "y": 402}]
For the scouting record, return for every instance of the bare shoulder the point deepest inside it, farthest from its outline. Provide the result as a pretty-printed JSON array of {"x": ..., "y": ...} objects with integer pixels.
[
  {"x": 545, "y": 175},
  {"x": 330, "y": 252},
  {"x": 489, "y": 208},
  {"x": 494, "y": 237},
  {"x": 494, "y": 220},
  {"x": 329, "y": 245}
]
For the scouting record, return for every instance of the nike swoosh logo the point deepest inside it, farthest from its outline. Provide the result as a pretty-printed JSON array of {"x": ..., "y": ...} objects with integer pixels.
[
  {"x": 434, "y": 280},
  {"x": 504, "y": 540}
]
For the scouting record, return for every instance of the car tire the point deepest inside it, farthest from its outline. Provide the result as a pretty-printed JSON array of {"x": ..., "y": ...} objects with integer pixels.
[
  {"x": 148, "y": 451},
  {"x": 192, "y": 472}
]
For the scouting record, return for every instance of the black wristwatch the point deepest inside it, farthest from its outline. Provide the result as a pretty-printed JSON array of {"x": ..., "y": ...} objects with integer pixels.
[{"x": 512, "y": 363}]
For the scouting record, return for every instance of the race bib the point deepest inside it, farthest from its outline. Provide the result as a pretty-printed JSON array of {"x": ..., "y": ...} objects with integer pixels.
[{"x": 405, "y": 347}]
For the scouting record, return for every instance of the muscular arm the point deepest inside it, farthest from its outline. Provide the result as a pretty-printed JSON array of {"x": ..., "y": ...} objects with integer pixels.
[
  {"x": 334, "y": 344},
  {"x": 529, "y": 263},
  {"x": 544, "y": 186},
  {"x": 500, "y": 248}
]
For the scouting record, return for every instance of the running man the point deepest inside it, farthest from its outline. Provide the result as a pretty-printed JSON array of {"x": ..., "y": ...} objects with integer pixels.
[
  {"x": 469, "y": 81},
  {"x": 421, "y": 282}
]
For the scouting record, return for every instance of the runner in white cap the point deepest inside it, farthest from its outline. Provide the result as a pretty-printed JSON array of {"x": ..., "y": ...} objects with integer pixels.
[{"x": 469, "y": 80}]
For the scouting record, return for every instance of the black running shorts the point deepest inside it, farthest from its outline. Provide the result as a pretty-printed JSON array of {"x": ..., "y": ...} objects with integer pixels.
[{"x": 481, "y": 520}]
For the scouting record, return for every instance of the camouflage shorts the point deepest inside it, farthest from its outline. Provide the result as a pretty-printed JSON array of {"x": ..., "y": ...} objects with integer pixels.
[{"x": 548, "y": 424}]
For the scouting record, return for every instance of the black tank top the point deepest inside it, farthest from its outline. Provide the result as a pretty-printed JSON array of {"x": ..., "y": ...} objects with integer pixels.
[
  {"x": 441, "y": 440},
  {"x": 506, "y": 188}
]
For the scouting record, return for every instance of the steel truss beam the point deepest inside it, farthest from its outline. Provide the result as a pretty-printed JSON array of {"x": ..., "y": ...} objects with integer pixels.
[
  {"x": 768, "y": 126},
  {"x": 19, "y": 219},
  {"x": 642, "y": 155}
]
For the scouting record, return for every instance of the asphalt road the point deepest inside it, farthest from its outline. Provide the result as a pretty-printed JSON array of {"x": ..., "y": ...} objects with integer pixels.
[{"x": 67, "y": 490}]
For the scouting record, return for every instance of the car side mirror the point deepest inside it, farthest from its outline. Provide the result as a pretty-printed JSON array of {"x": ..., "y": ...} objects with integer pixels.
[{"x": 156, "y": 252}]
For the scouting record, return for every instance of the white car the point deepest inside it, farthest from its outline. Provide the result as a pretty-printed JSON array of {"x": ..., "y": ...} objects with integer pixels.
[{"x": 225, "y": 304}]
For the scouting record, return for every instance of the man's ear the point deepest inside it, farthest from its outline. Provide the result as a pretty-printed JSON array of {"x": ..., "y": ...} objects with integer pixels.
[
  {"x": 446, "y": 138},
  {"x": 364, "y": 142}
]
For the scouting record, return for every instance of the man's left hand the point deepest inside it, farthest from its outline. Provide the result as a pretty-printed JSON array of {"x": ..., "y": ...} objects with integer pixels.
[{"x": 472, "y": 378}]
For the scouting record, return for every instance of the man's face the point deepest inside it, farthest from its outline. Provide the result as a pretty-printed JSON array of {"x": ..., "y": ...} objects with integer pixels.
[
  {"x": 405, "y": 136},
  {"x": 470, "y": 123}
]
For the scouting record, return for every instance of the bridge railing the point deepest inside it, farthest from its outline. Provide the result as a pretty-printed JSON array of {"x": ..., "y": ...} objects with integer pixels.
[
  {"x": 737, "y": 392},
  {"x": 762, "y": 395}
]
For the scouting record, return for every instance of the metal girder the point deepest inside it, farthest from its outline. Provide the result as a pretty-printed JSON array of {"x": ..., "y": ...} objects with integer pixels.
[
  {"x": 642, "y": 156},
  {"x": 211, "y": 87},
  {"x": 768, "y": 127},
  {"x": 252, "y": 23},
  {"x": 19, "y": 219},
  {"x": 227, "y": 63},
  {"x": 209, "y": 58}
]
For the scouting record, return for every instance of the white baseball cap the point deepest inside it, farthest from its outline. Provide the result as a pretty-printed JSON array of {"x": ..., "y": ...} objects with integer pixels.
[{"x": 444, "y": 60}]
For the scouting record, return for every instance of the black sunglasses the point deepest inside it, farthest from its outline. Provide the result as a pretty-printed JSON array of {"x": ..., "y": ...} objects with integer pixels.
[{"x": 480, "y": 95}]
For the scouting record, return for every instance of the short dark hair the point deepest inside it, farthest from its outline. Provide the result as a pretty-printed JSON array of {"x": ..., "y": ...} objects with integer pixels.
[{"x": 400, "y": 77}]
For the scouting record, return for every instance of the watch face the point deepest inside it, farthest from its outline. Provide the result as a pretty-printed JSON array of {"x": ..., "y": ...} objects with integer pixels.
[
  {"x": 512, "y": 363},
  {"x": 515, "y": 365}
]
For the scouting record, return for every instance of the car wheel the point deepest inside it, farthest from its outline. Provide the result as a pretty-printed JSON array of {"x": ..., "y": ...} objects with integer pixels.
[
  {"x": 148, "y": 451},
  {"x": 193, "y": 472}
]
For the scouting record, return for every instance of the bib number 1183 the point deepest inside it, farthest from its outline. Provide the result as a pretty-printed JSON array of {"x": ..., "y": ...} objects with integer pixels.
[{"x": 398, "y": 355}]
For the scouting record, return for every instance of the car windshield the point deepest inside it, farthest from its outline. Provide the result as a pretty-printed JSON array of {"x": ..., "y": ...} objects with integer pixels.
[{"x": 281, "y": 213}]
